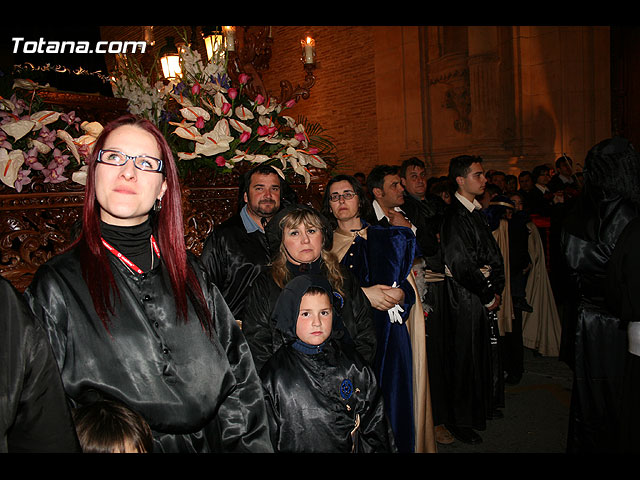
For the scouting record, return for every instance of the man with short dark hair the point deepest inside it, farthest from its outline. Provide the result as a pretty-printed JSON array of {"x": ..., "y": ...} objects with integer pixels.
[
  {"x": 426, "y": 210},
  {"x": 237, "y": 249},
  {"x": 475, "y": 280}
]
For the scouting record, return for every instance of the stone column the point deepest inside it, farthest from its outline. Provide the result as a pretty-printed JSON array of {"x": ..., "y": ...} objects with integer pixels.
[{"x": 484, "y": 83}]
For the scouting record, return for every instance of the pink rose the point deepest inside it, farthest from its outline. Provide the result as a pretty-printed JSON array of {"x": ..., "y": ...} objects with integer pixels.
[
  {"x": 195, "y": 89},
  {"x": 290, "y": 103},
  {"x": 233, "y": 93},
  {"x": 243, "y": 78},
  {"x": 225, "y": 108},
  {"x": 220, "y": 161},
  {"x": 200, "y": 122},
  {"x": 244, "y": 137},
  {"x": 259, "y": 100}
]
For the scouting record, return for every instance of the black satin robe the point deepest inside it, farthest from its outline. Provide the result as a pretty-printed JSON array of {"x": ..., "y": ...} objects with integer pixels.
[
  {"x": 468, "y": 245},
  {"x": 233, "y": 259},
  {"x": 317, "y": 396},
  {"x": 197, "y": 394},
  {"x": 598, "y": 336},
  {"x": 34, "y": 415},
  {"x": 264, "y": 339}
]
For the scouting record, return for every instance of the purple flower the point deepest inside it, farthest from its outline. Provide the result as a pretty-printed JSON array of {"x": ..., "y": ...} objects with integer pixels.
[
  {"x": 3, "y": 141},
  {"x": 72, "y": 119},
  {"x": 22, "y": 179},
  {"x": 54, "y": 175},
  {"x": 47, "y": 136},
  {"x": 31, "y": 159},
  {"x": 59, "y": 159}
]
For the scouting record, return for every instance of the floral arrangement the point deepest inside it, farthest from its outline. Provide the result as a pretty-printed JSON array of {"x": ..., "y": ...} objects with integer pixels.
[
  {"x": 211, "y": 123},
  {"x": 46, "y": 143}
]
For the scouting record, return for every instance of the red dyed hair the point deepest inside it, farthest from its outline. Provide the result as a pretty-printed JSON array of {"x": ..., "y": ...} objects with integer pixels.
[{"x": 168, "y": 230}]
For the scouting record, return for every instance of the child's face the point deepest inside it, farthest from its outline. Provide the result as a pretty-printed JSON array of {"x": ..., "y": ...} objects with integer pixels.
[{"x": 314, "y": 319}]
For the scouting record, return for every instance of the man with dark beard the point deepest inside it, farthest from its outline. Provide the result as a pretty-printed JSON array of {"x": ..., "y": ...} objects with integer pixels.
[{"x": 237, "y": 250}]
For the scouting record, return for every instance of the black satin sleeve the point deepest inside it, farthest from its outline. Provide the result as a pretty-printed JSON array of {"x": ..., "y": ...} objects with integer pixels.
[
  {"x": 197, "y": 393},
  {"x": 468, "y": 245},
  {"x": 233, "y": 259},
  {"x": 34, "y": 415},
  {"x": 313, "y": 402}
]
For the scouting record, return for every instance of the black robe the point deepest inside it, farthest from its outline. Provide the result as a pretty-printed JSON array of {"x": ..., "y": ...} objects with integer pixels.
[
  {"x": 476, "y": 386},
  {"x": 317, "y": 396},
  {"x": 597, "y": 338},
  {"x": 34, "y": 415},
  {"x": 430, "y": 211},
  {"x": 233, "y": 259},
  {"x": 197, "y": 394},
  {"x": 264, "y": 339}
]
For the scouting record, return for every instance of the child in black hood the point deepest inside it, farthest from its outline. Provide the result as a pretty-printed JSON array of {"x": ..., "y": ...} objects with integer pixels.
[{"x": 321, "y": 395}]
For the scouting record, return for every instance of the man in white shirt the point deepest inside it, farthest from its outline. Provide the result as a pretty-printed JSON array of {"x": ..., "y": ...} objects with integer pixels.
[{"x": 475, "y": 278}]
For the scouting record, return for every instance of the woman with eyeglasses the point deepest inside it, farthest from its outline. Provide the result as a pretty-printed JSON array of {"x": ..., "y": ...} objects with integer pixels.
[
  {"x": 381, "y": 259},
  {"x": 299, "y": 239},
  {"x": 131, "y": 316}
]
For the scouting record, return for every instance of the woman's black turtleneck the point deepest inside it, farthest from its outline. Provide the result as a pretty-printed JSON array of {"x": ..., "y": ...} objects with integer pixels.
[{"x": 133, "y": 242}]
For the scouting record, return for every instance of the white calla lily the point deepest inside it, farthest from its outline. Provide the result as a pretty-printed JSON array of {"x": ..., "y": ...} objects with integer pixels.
[
  {"x": 10, "y": 163},
  {"x": 193, "y": 113},
  {"x": 68, "y": 140},
  {"x": 80, "y": 175},
  {"x": 44, "y": 117},
  {"x": 19, "y": 128},
  {"x": 217, "y": 141},
  {"x": 238, "y": 126},
  {"x": 243, "y": 113}
]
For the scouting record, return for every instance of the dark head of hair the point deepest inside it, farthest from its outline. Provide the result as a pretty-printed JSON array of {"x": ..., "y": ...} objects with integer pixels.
[
  {"x": 524, "y": 173},
  {"x": 498, "y": 173},
  {"x": 538, "y": 171},
  {"x": 459, "y": 166},
  {"x": 562, "y": 159},
  {"x": 360, "y": 175},
  {"x": 376, "y": 176},
  {"x": 287, "y": 194},
  {"x": 410, "y": 162},
  {"x": 613, "y": 166},
  {"x": 108, "y": 426},
  {"x": 365, "y": 210},
  {"x": 168, "y": 225}
]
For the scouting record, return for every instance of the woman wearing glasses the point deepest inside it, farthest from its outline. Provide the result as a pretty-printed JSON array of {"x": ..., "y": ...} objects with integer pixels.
[
  {"x": 131, "y": 316},
  {"x": 381, "y": 259}
]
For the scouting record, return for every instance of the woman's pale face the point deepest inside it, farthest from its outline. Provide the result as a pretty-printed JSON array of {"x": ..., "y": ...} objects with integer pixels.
[
  {"x": 303, "y": 243},
  {"x": 125, "y": 193},
  {"x": 343, "y": 210}
]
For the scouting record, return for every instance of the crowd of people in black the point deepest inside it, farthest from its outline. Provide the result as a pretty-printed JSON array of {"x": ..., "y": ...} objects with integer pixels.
[{"x": 389, "y": 319}]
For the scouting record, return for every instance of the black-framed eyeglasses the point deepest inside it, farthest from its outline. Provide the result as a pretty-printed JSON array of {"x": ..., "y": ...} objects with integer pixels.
[
  {"x": 141, "y": 162},
  {"x": 335, "y": 197}
]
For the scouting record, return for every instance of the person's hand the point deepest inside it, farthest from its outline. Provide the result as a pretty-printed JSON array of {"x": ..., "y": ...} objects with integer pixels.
[
  {"x": 496, "y": 303},
  {"x": 383, "y": 297},
  {"x": 397, "y": 219}
]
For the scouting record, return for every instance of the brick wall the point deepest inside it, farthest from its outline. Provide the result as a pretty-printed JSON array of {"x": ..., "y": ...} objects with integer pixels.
[{"x": 343, "y": 100}]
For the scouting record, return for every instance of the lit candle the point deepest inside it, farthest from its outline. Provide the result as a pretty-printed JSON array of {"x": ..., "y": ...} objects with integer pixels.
[
  {"x": 230, "y": 36},
  {"x": 308, "y": 49}
]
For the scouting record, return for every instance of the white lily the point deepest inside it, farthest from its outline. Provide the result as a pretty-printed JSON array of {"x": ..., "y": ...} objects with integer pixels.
[
  {"x": 10, "y": 163},
  {"x": 41, "y": 147},
  {"x": 193, "y": 113},
  {"x": 217, "y": 141},
  {"x": 68, "y": 140},
  {"x": 187, "y": 156},
  {"x": 80, "y": 175},
  {"x": 238, "y": 126},
  {"x": 19, "y": 128},
  {"x": 44, "y": 117},
  {"x": 189, "y": 132},
  {"x": 243, "y": 113}
]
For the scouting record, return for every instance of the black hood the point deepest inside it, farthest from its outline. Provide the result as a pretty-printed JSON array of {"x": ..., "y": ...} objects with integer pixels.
[{"x": 287, "y": 307}]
